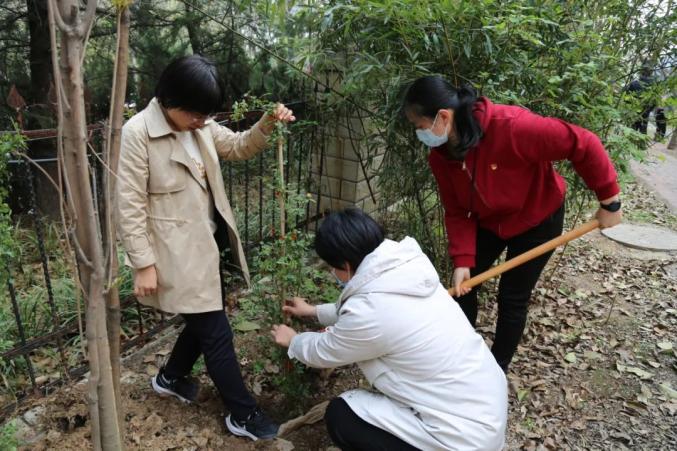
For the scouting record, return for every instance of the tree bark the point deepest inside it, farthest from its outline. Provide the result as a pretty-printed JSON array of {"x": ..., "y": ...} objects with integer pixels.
[
  {"x": 39, "y": 55},
  {"x": 673, "y": 141},
  {"x": 40, "y": 113},
  {"x": 194, "y": 35},
  {"x": 112, "y": 154},
  {"x": 74, "y": 27}
]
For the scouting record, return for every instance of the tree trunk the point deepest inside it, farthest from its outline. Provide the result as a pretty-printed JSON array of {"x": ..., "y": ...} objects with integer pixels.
[
  {"x": 40, "y": 113},
  {"x": 39, "y": 56},
  {"x": 673, "y": 141},
  {"x": 193, "y": 31},
  {"x": 74, "y": 28},
  {"x": 112, "y": 156}
]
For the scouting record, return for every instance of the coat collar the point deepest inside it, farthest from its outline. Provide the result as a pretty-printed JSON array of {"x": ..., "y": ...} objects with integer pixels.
[
  {"x": 157, "y": 126},
  {"x": 180, "y": 155},
  {"x": 156, "y": 123}
]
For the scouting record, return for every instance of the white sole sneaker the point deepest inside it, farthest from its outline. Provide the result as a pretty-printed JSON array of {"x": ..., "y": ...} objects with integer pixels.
[
  {"x": 165, "y": 392},
  {"x": 237, "y": 430}
]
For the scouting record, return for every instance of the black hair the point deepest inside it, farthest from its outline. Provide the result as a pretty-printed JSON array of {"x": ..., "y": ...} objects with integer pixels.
[
  {"x": 190, "y": 83},
  {"x": 427, "y": 95},
  {"x": 347, "y": 237}
]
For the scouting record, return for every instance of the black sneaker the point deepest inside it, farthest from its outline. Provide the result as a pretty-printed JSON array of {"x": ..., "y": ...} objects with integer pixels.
[
  {"x": 256, "y": 426},
  {"x": 184, "y": 388}
]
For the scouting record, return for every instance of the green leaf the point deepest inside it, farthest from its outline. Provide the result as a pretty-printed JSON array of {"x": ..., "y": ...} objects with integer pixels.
[
  {"x": 570, "y": 357},
  {"x": 246, "y": 326},
  {"x": 521, "y": 394}
]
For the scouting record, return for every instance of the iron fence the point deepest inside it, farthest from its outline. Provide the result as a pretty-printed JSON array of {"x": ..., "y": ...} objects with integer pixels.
[{"x": 34, "y": 359}]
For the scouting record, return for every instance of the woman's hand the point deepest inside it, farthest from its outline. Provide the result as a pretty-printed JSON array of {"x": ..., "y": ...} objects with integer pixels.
[
  {"x": 281, "y": 114},
  {"x": 460, "y": 275},
  {"x": 145, "y": 281},
  {"x": 608, "y": 218},
  {"x": 299, "y": 307},
  {"x": 283, "y": 335}
]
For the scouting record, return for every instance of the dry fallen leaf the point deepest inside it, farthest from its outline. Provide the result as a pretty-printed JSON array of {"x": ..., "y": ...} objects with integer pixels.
[{"x": 639, "y": 372}]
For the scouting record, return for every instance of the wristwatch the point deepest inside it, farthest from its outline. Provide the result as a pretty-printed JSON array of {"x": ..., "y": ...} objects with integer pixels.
[{"x": 612, "y": 207}]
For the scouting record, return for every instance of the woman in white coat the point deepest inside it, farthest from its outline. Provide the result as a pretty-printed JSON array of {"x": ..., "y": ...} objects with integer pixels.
[{"x": 436, "y": 384}]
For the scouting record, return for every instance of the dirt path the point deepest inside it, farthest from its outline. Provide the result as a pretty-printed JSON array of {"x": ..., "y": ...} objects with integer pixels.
[{"x": 659, "y": 173}]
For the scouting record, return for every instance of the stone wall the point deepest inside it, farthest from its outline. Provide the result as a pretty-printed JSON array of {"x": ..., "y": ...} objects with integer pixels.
[{"x": 345, "y": 168}]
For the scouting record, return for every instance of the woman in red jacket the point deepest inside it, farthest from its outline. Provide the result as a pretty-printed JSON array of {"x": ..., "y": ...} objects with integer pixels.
[{"x": 493, "y": 166}]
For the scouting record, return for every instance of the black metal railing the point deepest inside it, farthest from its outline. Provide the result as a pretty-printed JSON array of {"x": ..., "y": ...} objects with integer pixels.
[{"x": 42, "y": 348}]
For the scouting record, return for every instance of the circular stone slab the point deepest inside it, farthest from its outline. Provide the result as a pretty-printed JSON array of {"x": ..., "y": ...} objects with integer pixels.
[{"x": 648, "y": 237}]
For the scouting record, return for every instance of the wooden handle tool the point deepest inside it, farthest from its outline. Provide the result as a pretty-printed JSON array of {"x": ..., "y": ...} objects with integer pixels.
[{"x": 529, "y": 255}]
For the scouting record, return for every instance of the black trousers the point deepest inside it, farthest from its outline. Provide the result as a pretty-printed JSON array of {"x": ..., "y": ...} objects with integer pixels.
[
  {"x": 642, "y": 123},
  {"x": 210, "y": 334},
  {"x": 351, "y": 433},
  {"x": 515, "y": 286}
]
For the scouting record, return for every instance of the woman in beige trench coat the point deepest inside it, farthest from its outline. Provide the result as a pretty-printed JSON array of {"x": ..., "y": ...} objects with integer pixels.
[{"x": 174, "y": 219}]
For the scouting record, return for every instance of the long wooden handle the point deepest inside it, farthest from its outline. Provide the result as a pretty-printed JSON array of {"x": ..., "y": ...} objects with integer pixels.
[{"x": 529, "y": 255}]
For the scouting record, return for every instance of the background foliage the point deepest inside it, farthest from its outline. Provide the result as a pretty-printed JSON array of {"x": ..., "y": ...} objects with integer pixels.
[{"x": 351, "y": 60}]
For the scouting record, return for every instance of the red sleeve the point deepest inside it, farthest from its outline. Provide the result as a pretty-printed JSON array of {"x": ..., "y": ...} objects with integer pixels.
[
  {"x": 537, "y": 138},
  {"x": 461, "y": 230}
]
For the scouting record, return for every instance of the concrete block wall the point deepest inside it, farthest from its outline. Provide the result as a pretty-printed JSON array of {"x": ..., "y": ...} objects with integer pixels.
[{"x": 344, "y": 182}]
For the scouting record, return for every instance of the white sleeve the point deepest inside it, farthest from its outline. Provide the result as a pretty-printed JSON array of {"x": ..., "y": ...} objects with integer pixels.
[
  {"x": 356, "y": 336},
  {"x": 327, "y": 314}
]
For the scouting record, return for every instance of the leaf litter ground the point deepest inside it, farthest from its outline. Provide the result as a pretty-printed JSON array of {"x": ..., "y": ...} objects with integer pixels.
[{"x": 596, "y": 369}]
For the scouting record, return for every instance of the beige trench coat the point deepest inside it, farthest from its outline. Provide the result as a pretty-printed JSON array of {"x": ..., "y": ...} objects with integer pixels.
[{"x": 163, "y": 205}]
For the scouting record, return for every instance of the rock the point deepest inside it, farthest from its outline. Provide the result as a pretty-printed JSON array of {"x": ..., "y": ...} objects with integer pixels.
[
  {"x": 33, "y": 416},
  {"x": 283, "y": 445}
]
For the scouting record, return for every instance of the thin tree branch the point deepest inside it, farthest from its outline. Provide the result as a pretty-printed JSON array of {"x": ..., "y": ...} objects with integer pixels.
[
  {"x": 86, "y": 25},
  {"x": 59, "y": 104},
  {"x": 58, "y": 19},
  {"x": 80, "y": 252}
]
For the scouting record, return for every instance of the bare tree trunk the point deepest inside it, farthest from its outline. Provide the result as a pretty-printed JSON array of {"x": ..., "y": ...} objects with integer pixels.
[
  {"x": 74, "y": 28},
  {"x": 40, "y": 112},
  {"x": 194, "y": 35},
  {"x": 673, "y": 141},
  {"x": 39, "y": 56},
  {"x": 112, "y": 156}
]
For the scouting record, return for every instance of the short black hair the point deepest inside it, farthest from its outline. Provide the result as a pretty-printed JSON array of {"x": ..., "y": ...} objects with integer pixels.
[
  {"x": 347, "y": 236},
  {"x": 427, "y": 95},
  {"x": 190, "y": 83}
]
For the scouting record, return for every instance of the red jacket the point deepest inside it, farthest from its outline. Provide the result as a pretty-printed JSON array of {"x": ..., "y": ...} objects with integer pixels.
[{"x": 515, "y": 184}]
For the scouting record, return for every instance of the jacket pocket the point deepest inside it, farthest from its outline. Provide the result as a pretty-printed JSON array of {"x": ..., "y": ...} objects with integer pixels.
[{"x": 170, "y": 181}]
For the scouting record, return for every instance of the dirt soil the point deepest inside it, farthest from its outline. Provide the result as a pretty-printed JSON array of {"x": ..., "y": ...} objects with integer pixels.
[{"x": 597, "y": 367}]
